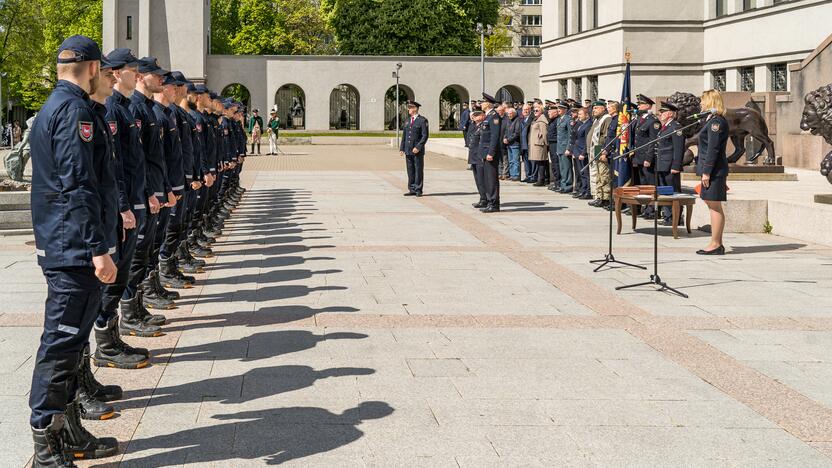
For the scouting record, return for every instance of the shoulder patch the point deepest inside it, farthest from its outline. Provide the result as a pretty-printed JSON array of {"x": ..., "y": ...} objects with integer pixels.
[
  {"x": 715, "y": 127},
  {"x": 679, "y": 132},
  {"x": 85, "y": 131},
  {"x": 657, "y": 125},
  {"x": 113, "y": 127},
  {"x": 139, "y": 123}
]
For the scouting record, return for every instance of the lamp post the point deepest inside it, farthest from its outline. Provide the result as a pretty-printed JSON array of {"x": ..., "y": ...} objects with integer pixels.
[
  {"x": 396, "y": 76},
  {"x": 483, "y": 31}
]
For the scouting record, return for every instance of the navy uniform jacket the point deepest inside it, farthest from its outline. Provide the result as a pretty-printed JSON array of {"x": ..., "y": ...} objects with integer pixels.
[
  {"x": 106, "y": 175},
  {"x": 564, "y": 126},
  {"x": 713, "y": 138},
  {"x": 130, "y": 167},
  {"x": 578, "y": 146},
  {"x": 473, "y": 138},
  {"x": 173, "y": 148},
  {"x": 552, "y": 133},
  {"x": 646, "y": 128},
  {"x": 242, "y": 148},
  {"x": 186, "y": 135},
  {"x": 671, "y": 149},
  {"x": 524, "y": 131},
  {"x": 200, "y": 149},
  {"x": 465, "y": 120},
  {"x": 612, "y": 135},
  {"x": 151, "y": 138},
  {"x": 491, "y": 142},
  {"x": 69, "y": 202},
  {"x": 229, "y": 150},
  {"x": 211, "y": 145},
  {"x": 415, "y": 135}
]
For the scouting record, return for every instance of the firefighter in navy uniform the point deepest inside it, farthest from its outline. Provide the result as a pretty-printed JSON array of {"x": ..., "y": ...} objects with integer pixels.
[
  {"x": 412, "y": 147},
  {"x": 74, "y": 215},
  {"x": 491, "y": 152},
  {"x": 671, "y": 153},
  {"x": 645, "y": 129},
  {"x": 472, "y": 141}
]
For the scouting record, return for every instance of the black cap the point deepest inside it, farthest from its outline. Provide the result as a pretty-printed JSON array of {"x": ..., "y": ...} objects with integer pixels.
[
  {"x": 213, "y": 95},
  {"x": 562, "y": 105},
  {"x": 123, "y": 55},
  {"x": 197, "y": 88},
  {"x": 489, "y": 98},
  {"x": 151, "y": 65},
  {"x": 642, "y": 99},
  {"x": 84, "y": 48},
  {"x": 169, "y": 80},
  {"x": 414, "y": 104},
  {"x": 108, "y": 65},
  {"x": 180, "y": 78},
  {"x": 668, "y": 106}
]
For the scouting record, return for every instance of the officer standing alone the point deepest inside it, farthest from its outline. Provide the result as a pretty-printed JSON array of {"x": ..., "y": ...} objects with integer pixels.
[
  {"x": 71, "y": 211},
  {"x": 491, "y": 152},
  {"x": 412, "y": 147}
]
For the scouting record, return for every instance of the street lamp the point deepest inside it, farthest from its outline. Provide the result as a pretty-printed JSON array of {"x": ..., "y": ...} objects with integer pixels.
[
  {"x": 396, "y": 76},
  {"x": 483, "y": 31}
]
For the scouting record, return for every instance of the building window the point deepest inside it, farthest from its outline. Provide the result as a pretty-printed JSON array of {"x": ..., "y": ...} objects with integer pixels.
[
  {"x": 580, "y": 15},
  {"x": 129, "y": 28},
  {"x": 779, "y": 82},
  {"x": 721, "y": 8},
  {"x": 578, "y": 90},
  {"x": 747, "y": 79},
  {"x": 718, "y": 80},
  {"x": 529, "y": 41},
  {"x": 749, "y": 5},
  {"x": 593, "y": 88},
  {"x": 594, "y": 13},
  {"x": 531, "y": 20},
  {"x": 530, "y": 2},
  {"x": 564, "y": 89}
]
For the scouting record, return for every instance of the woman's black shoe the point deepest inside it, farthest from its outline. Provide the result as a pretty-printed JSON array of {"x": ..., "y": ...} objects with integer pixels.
[{"x": 717, "y": 251}]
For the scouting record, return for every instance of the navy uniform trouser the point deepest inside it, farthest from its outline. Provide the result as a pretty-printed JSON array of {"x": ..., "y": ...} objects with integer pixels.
[
  {"x": 479, "y": 179},
  {"x": 177, "y": 218},
  {"x": 415, "y": 172},
  {"x": 554, "y": 164},
  {"x": 675, "y": 181},
  {"x": 491, "y": 173},
  {"x": 583, "y": 171},
  {"x": 72, "y": 303},
  {"x": 112, "y": 293},
  {"x": 141, "y": 258},
  {"x": 647, "y": 176}
]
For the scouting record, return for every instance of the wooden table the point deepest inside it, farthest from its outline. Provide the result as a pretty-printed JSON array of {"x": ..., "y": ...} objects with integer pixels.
[{"x": 676, "y": 203}]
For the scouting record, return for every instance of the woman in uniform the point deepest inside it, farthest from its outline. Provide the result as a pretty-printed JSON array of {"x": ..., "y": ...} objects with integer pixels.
[{"x": 712, "y": 167}]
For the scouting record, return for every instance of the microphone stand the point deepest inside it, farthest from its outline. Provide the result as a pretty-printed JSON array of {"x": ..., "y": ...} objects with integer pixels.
[
  {"x": 609, "y": 257},
  {"x": 655, "y": 279}
]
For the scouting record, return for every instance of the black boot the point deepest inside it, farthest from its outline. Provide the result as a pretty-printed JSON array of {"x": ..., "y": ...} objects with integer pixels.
[
  {"x": 161, "y": 291},
  {"x": 185, "y": 262},
  {"x": 151, "y": 298},
  {"x": 185, "y": 255},
  {"x": 92, "y": 409},
  {"x": 169, "y": 275},
  {"x": 111, "y": 351},
  {"x": 131, "y": 323},
  {"x": 79, "y": 443},
  {"x": 49, "y": 445},
  {"x": 148, "y": 318},
  {"x": 87, "y": 382},
  {"x": 200, "y": 252}
]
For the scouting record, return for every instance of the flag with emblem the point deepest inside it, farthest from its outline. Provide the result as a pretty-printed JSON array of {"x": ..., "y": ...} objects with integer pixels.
[{"x": 622, "y": 165}]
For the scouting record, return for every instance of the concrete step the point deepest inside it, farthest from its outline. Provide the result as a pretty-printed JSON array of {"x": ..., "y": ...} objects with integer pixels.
[
  {"x": 11, "y": 201},
  {"x": 15, "y": 219}
]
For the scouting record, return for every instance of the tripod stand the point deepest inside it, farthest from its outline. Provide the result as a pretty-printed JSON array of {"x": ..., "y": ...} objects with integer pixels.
[
  {"x": 609, "y": 257},
  {"x": 655, "y": 279}
]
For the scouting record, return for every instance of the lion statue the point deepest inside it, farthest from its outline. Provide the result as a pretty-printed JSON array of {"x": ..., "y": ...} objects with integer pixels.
[
  {"x": 742, "y": 122},
  {"x": 817, "y": 119}
]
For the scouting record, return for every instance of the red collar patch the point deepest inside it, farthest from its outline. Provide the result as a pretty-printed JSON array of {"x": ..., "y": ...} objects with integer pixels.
[
  {"x": 85, "y": 131},
  {"x": 139, "y": 123},
  {"x": 113, "y": 127}
]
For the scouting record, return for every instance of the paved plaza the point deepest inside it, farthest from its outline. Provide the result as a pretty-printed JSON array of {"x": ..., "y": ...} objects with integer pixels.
[{"x": 342, "y": 324}]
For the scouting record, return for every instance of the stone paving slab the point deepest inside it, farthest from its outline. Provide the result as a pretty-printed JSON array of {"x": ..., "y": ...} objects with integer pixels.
[{"x": 344, "y": 325}]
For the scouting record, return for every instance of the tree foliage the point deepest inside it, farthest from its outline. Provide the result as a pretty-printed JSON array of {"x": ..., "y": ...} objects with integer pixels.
[
  {"x": 408, "y": 27},
  {"x": 268, "y": 27},
  {"x": 31, "y": 31}
]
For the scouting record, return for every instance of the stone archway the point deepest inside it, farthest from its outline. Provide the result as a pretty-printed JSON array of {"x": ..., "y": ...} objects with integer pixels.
[
  {"x": 290, "y": 103},
  {"x": 344, "y": 108},
  {"x": 405, "y": 94},
  {"x": 450, "y": 106},
  {"x": 509, "y": 93},
  {"x": 238, "y": 92}
]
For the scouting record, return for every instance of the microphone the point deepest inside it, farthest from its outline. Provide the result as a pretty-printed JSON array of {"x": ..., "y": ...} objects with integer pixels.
[{"x": 698, "y": 116}]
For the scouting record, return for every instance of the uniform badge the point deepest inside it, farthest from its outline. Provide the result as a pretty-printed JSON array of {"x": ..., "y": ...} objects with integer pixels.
[
  {"x": 139, "y": 123},
  {"x": 657, "y": 125},
  {"x": 113, "y": 127},
  {"x": 715, "y": 127},
  {"x": 679, "y": 132},
  {"x": 85, "y": 130}
]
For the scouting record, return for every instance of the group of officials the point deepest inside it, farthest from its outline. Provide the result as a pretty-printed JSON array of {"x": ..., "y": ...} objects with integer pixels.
[{"x": 135, "y": 170}]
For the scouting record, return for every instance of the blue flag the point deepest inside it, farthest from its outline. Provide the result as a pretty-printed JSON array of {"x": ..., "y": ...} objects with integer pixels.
[{"x": 622, "y": 166}]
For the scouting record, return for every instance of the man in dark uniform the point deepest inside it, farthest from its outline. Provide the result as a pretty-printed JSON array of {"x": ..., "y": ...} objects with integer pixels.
[
  {"x": 491, "y": 152},
  {"x": 412, "y": 147},
  {"x": 645, "y": 129},
  {"x": 464, "y": 119},
  {"x": 472, "y": 141},
  {"x": 204, "y": 170},
  {"x": 74, "y": 215},
  {"x": 671, "y": 154},
  {"x": 552, "y": 139}
]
